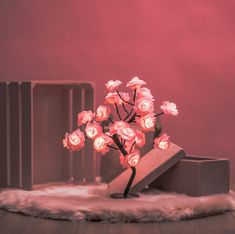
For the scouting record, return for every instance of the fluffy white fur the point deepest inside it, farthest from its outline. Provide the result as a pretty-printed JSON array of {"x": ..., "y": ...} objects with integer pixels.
[{"x": 92, "y": 203}]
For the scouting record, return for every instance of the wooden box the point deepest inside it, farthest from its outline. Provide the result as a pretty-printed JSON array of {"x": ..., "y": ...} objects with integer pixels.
[
  {"x": 34, "y": 117},
  {"x": 196, "y": 176}
]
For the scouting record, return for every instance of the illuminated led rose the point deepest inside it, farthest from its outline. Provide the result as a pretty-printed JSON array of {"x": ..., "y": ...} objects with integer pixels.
[
  {"x": 126, "y": 133},
  {"x": 111, "y": 85},
  {"x": 84, "y": 117},
  {"x": 130, "y": 160},
  {"x": 140, "y": 138},
  {"x": 111, "y": 142},
  {"x": 144, "y": 93},
  {"x": 116, "y": 125},
  {"x": 144, "y": 106},
  {"x": 102, "y": 113},
  {"x": 93, "y": 130},
  {"x": 147, "y": 122},
  {"x": 169, "y": 108},
  {"x": 112, "y": 98},
  {"x": 125, "y": 96},
  {"x": 133, "y": 158},
  {"x": 74, "y": 141},
  {"x": 135, "y": 83},
  {"x": 101, "y": 142},
  {"x": 65, "y": 141},
  {"x": 162, "y": 142}
]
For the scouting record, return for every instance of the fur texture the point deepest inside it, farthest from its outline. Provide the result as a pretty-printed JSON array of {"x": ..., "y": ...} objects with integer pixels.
[{"x": 92, "y": 203}]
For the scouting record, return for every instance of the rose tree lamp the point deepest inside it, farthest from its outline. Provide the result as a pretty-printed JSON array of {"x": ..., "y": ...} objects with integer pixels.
[{"x": 125, "y": 130}]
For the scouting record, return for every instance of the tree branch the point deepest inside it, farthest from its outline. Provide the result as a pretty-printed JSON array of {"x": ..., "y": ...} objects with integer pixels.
[
  {"x": 119, "y": 116},
  {"x": 123, "y": 99}
]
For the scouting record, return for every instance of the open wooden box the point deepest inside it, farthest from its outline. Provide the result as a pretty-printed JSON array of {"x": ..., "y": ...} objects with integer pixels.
[
  {"x": 34, "y": 117},
  {"x": 196, "y": 176}
]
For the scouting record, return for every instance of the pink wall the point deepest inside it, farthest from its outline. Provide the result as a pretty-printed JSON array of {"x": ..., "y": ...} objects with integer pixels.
[{"x": 183, "y": 49}]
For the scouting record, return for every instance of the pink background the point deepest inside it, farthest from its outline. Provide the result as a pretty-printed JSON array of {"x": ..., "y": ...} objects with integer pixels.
[{"x": 183, "y": 49}]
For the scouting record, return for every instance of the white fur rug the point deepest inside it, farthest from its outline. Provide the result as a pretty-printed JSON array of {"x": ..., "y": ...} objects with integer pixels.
[{"x": 92, "y": 203}]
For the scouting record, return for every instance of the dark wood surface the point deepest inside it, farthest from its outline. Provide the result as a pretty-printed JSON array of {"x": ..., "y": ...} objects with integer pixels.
[
  {"x": 15, "y": 133},
  {"x": 12, "y": 223},
  {"x": 3, "y": 134},
  {"x": 26, "y": 136}
]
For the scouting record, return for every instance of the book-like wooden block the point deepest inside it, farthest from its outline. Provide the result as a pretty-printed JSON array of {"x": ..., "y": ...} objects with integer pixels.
[
  {"x": 196, "y": 176},
  {"x": 150, "y": 167}
]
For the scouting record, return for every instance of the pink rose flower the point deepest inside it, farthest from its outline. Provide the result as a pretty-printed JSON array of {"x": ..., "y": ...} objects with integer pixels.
[
  {"x": 112, "y": 98},
  {"x": 144, "y": 106},
  {"x": 111, "y": 85},
  {"x": 144, "y": 93},
  {"x": 84, "y": 117},
  {"x": 102, "y": 113},
  {"x": 135, "y": 83},
  {"x": 93, "y": 130},
  {"x": 140, "y": 138},
  {"x": 147, "y": 122},
  {"x": 162, "y": 142},
  {"x": 100, "y": 144},
  {"x": 169, "y": 108},
  {"x": 65, "y": 141},
  {"x": 125, "y": 96},
  {"x": 130, "y": 160},
  {"x": 126, "y": 133},
  {"x": 74, "y": 141},
  {"x": 116, "y": 125}
]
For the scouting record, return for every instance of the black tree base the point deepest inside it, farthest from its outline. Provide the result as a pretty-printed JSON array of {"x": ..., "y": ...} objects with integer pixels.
[{"x": 121, "y": 196}]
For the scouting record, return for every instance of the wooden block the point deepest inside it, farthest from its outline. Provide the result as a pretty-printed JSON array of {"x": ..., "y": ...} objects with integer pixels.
[
  {"x": 196, "y": 176},
  {"x": 15, "y": 134},
  {"x": 3, "y": 134},
  {"x": 150, "y": 167}
]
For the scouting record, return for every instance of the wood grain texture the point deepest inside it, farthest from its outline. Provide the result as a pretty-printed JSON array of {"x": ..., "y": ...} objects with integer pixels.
[
  {"x": 27, "y": 151},
  {"x": 182, "y": 227},
  {"x": 3, "y": 134},
  {"x": 14, "y": 108},
  {"x": 12, "y": 223},
  {"x": 152, "y": 165},
  {"x": 217, "y": 224}
]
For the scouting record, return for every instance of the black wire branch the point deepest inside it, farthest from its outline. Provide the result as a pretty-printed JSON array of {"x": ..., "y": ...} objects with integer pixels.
[
  {"x": 118, "y": 113},
  {"x": 132, "y": 118},
  {"x": 124, "y": 108},
  {"x": 112, "y": 147},
  {"x": 111, "y": 119},
  {"x": 127, "y": 116},
  {"x": 158, "y": 114},
  {"x": 132, "y": 146},
  {"x": 123, "y": 99},
  {"x": 119, "y": 144},
  {"x": 134, "y": 96}
]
